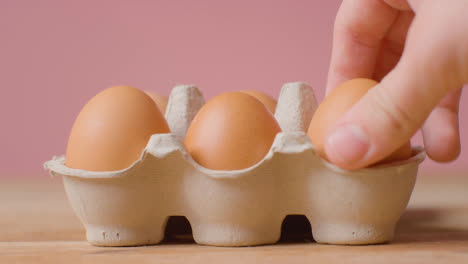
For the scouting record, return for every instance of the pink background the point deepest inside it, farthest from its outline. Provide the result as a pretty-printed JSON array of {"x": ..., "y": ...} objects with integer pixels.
[{"x": 55, "y": 55}]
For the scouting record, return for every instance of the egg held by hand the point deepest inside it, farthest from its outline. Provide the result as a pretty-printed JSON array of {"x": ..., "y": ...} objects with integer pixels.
[
  {"x": 112, "y": 130},
  {"x": 232, "y": 131},
  {"x": 338, "y": 102}
]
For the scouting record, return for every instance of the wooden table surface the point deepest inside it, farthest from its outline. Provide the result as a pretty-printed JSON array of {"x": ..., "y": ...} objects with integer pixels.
[{"x": 37, "y": 225}]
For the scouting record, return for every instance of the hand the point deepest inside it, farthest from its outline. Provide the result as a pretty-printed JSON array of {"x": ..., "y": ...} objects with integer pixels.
[{"x": 418, "y": 50}]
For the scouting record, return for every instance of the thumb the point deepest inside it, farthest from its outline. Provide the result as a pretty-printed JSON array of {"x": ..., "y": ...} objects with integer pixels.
[{"x": 382, "y": 121}]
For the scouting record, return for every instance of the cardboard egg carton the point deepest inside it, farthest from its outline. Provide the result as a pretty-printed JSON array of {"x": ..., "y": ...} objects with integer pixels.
[{"x": 244, "y": 207}]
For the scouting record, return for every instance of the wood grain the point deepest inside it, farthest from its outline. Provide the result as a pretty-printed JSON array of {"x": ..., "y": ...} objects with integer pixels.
[{"x": 38, "y": 226}]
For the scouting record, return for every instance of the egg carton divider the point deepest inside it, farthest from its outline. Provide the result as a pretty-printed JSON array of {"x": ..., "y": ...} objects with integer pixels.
[{"x": 244, "y": 207}]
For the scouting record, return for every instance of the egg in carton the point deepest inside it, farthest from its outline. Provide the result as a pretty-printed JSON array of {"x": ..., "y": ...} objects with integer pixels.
[{"x": 244, "y": 207}]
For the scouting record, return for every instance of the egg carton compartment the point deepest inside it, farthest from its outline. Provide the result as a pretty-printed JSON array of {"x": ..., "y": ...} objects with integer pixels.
[{"x": 244, "y": 207}]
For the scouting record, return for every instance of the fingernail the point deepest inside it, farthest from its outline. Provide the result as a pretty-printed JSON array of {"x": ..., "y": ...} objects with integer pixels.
[{"x": 347, "y": 145}]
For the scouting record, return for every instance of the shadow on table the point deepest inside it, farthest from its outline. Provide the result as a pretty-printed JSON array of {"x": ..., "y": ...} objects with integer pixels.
[
  {"x": 415, "y": 225},
  {"x": 295, "y": 229},
  {"x": 432, "y": 225}
]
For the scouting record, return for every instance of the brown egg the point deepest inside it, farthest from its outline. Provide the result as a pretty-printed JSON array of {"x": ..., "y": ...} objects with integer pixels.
[
  {"x": 232, "y": 131},
  {"x": 160, "y": 100},
  {"x": 267, "y": 100},
  {"x": 339, "y": 101},
  {"x": 112, "y": 130}
]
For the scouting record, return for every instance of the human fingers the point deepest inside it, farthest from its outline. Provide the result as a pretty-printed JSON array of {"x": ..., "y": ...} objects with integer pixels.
[
  {"x": 433, "y": 64},
  {"x": 441, "y": 132},
  {"x": 392, "y": 45},
  {"x": 356, "y": 42}
]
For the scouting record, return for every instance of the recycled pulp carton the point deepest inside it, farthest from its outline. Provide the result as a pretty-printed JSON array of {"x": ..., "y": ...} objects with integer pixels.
[{"x": 243, "y": 207}]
